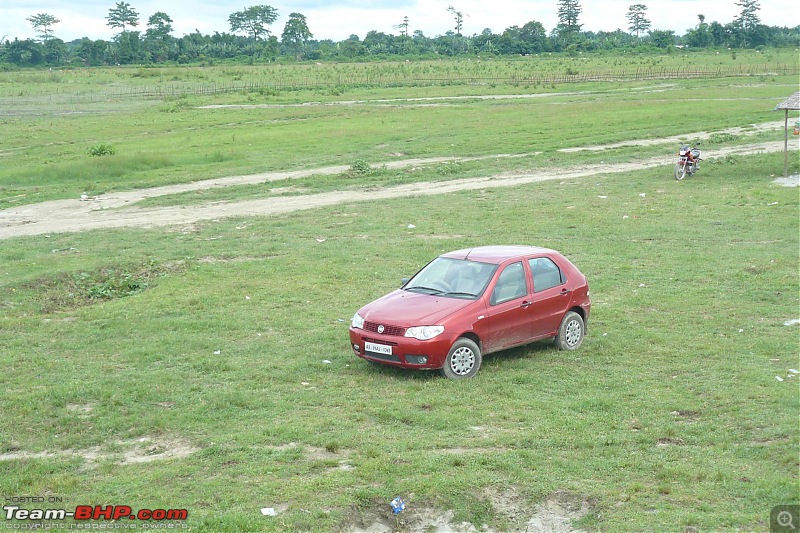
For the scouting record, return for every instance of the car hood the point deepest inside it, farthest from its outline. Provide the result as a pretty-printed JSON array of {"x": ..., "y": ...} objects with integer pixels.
[{"x": 406, "y": 309}]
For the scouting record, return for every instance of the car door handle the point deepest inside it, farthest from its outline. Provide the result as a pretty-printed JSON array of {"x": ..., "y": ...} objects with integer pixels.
[
  {"x": 526, "y": 304},
  {"x": 565, "y": 291}
]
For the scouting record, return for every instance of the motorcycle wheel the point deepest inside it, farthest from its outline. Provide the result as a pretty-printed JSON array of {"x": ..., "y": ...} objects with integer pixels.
[{"x": 680, "y": 171}]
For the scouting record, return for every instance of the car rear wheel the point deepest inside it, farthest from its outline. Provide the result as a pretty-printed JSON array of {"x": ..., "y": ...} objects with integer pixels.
[
  {"x": 463, "y": 360},
  {"x": 570, "y": 334}
]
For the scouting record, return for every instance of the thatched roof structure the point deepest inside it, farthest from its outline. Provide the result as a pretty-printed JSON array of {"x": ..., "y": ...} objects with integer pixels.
[{"x": 791, "y": 103}]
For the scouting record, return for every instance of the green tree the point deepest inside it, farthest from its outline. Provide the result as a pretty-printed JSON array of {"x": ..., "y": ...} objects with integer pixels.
[
  {"x": 378, "y": 43},
  {"x": 459, "y": 18},
  {"x": 662, "y": 38},
  {"x": 719, "y": 33},
  {"x": 403, "y": 27},
  {"x": 405, "y": 43},
  {"x": 55, "y": 51},
  {"x": 157, "y": 38},
  {"x": 27, "y": 53},
  {"x": 43, "y": 23},
  {"x": 568, "y": 13},
  {"x": 638, "y": 22},
  {"x": 458, "y": 43},
  {"x": 699, "y": 37},
  {"x": 296, "y": 34},
  {"x": 91, "y": 52},
  {"x": 351, "y": 47},
  {"x": 486, "y": 41},
  {"x": 253, "y": 21},
  {"x": 534, "y": 37},
  {"x": 159, "y": 25},
  {"x": 747, "y": 21},
  {"x": 122, "y": 16},
  {"x": 128, "y": 48}
]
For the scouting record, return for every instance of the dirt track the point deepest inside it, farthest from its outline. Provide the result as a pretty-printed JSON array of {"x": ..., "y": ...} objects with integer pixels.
[{"x": 119, "y": 210}]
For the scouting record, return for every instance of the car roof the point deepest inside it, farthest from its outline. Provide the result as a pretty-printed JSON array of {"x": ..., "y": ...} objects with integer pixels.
[{"x": 496, "y": 254}]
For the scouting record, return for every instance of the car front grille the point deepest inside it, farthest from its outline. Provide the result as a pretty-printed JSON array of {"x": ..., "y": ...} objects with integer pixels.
[
  {"x": 396, "y": 331},
  {"x": 383, "y": 357}
]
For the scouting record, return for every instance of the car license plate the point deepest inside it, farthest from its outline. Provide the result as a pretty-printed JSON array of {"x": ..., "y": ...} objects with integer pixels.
[{"x": 377, "y": 348}]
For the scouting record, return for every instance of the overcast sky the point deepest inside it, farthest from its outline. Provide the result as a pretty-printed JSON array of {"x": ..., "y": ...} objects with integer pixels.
[{"x": 338, "y": 19}]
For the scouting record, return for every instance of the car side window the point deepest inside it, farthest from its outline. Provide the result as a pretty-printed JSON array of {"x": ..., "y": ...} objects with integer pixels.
[
  {"x": 510, "y": 285},
  {"x": 546, "y": 274}
]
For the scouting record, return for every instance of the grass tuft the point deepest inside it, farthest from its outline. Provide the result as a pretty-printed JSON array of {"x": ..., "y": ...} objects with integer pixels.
[{"x": 71, "y": 290}]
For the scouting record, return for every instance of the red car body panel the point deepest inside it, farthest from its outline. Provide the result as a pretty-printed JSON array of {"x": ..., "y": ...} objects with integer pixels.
[{"x": 534, "y": 315}]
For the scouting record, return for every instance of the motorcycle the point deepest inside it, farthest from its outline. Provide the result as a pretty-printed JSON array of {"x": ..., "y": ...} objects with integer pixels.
[{"x": 685, "y": 165}]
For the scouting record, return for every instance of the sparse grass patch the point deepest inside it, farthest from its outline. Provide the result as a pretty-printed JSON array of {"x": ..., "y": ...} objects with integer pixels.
[
  {"x": 71, "y": 290},
  {"x": 721, "y": 138}
]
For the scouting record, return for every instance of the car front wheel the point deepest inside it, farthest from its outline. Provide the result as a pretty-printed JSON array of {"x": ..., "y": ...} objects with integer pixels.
[
  {"x": 463, "y": 360},
  {"x": 570, "y": 334}
]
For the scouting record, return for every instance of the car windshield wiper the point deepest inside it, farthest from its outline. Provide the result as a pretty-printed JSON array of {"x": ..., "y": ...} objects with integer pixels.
[
  {"x": 456, "y": 293},
  {"x": 437, "y": 291}
]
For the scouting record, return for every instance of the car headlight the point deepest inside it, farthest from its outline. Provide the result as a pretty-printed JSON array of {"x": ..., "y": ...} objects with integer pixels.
[
  {"x": 423, "y": 333},
  {"x": 357, "y": 322}
]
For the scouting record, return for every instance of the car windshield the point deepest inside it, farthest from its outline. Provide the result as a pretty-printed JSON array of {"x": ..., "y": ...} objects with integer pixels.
[{"x": 457, "y": 278}]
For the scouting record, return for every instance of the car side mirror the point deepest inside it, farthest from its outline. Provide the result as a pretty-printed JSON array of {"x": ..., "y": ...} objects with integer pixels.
[{"x": 403, "y": 282}]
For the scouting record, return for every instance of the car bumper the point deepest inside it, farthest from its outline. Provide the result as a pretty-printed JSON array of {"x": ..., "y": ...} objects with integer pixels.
[{"x": 405, "y": 352}]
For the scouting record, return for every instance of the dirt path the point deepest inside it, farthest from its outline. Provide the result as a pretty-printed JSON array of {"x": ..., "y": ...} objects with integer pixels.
[{"x": 118, "y": 210}]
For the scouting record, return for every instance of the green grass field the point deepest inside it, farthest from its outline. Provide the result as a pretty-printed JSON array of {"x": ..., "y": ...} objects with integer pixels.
[{"x": 206, "y": 366}]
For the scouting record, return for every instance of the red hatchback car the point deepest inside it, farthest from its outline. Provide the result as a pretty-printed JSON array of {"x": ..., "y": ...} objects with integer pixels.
[{"x": 471, "y": 302}]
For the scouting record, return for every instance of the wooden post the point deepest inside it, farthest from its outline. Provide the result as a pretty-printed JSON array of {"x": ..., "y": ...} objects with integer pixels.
[{"x": 786, "y": 144}]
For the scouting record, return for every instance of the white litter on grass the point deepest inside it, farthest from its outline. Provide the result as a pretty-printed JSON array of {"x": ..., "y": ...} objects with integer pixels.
[
  {"x": 741, "y": 331},
  {"x": 792, "y": 322},
  {"x": 411, "y": 226},
  {"x": 268, "y": 511},
  {"x": 217, "y": 352},
  {"x": 604, "y": 197},
  {"x": 305, "y": 383},
  {"x": 641, "y": 194},
  {"x": 321, "y": 240},
  {"x": 779, "y": 378},
  {"x": 773, "y": 203},
  {"x": 246, "y": 297},
  {"x": 642, "y": 285},
  {"x": 84, "y": 197},
  {"x": 624, "y": 217},
  {"x": 794, "y": 371},
  {"x": 326, "y": 362}
]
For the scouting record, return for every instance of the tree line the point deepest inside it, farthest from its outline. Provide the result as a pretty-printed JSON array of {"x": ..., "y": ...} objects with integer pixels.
[{"x": 251, "y": 39}]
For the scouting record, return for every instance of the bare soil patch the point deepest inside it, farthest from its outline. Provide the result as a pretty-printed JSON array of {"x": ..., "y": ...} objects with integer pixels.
[
  {"x": 555, "y": 514},
  {"x": 122, "y": 452},
  {"x": 789, "y": 181}
]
